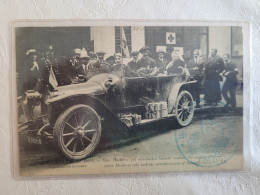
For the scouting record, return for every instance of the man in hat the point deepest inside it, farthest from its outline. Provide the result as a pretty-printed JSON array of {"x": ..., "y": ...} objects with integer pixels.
[
  {"x": 69, "y": 70},
  {"x": 84, "y": 66},
  {"x": 161, "y": 62},
  {"x": 146, "y": 65},
  {"x": 50, "y": 62},
  {"x": 31, "y": 75},
  {"x": 101, "y": 55},
  {"x": 110, "y": 60},
  {"x": 132, "y": 66}
]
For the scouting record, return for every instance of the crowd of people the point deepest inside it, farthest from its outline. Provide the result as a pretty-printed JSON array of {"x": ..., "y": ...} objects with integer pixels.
[{"x": 51, "y": 71}]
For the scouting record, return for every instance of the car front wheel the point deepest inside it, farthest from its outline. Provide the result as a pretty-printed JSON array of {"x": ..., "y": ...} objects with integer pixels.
[
  {"x": 184, "y": 108},
  {"x": 77, "y": 132}
]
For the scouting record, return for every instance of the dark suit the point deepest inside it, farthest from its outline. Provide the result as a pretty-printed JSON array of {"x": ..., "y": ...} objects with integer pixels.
[
  {"x": 145, "y": 62},
  {"x": 195, "y": 68},
  {"x": 213, "y": 68},
  {"x": 161, "y": 64},
  {"x": 230, "y": 84}
]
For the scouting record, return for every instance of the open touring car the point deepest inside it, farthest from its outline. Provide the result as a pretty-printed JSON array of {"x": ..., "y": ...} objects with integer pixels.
[{"x": 81, "y": 115}]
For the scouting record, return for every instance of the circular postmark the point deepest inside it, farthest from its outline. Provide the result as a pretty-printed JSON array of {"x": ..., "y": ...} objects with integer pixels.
[{"x": 208, "y": 143}]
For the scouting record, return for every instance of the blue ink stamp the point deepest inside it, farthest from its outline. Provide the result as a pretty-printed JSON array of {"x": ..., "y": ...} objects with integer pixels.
[{"x": 209, "y": 144}]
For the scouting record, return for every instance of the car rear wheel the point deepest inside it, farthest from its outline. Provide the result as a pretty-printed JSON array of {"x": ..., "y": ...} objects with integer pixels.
[
  {"x": 77, "y": 132},
  {"x": 184, "y": 108}
]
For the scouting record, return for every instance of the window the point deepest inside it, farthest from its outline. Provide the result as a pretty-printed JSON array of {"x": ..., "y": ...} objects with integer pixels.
[{"x": 236, "y": 41}]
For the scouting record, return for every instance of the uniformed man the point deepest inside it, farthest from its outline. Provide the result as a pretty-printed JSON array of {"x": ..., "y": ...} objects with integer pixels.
[
  {"x": 132, "y": 66},
  {"x": 146, "y": 65},
  {"x": 195, "y": 67},
  {"x": 229, "y": 85}
]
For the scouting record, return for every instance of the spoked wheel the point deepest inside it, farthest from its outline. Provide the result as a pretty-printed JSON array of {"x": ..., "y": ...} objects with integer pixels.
[
  {"x": 77, "y": 132},
  {"x": 184, "y": 108}
]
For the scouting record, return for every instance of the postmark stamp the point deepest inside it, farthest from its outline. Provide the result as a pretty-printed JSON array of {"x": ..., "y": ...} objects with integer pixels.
[{"x": 200, "y": 148}]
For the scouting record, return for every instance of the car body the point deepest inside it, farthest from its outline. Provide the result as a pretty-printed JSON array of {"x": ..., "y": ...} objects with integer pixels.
[{"x": 108, "y": 107}]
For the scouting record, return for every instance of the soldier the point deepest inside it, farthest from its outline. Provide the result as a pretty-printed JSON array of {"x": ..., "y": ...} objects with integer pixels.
[
  {"x": 230, "y": 73},
  {"x": 195, "y": 67},
  {"x": 132, "y": 66},
  {"x": 146, "y": 65}
]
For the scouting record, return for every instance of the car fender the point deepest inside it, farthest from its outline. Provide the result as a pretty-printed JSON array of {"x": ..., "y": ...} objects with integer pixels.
[
  {"x": 112, "y": 123},
  {"x": 172, "y": 98}
]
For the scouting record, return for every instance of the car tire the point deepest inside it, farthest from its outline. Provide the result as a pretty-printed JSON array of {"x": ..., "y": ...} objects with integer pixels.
[
  {"x": 77, "y": 132},
  {"x": 184, "y": 108}
]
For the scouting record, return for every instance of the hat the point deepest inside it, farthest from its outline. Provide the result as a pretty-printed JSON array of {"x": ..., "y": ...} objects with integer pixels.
[
  {"x": 134, "y": 53},
  {"x": 144, "y": 49},
  {"x": 160, "y": 51},
  {"x": 110, "y": 58},
  {"x": 92, "y": 55},
  {"x": 118, "y": 54},
  {"x": 100, "y": 53},
  {"x": 77, "y": 50},
  {"x": 84, "y": 53},
  {"x": 31, "y": 51}
]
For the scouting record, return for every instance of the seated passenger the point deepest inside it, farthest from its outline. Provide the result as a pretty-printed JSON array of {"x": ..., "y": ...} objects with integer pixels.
[
  {"x": 110, "y": 60},
  {"x": 83, "y": 69},
  {"x": 146, "y": 65},
  {"x": 161, "y": 61},
  {"x": 176, "y": 66},
  {"x": 132, "y": 66},
  {"x": 118, "y": 67}
]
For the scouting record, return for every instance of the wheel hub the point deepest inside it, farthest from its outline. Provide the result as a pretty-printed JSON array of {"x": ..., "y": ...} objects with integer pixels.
[{"x": 79, "y": 131}]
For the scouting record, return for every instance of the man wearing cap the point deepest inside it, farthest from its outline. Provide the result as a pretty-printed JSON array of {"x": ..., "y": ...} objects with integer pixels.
[
  {"x": 195, "y": 67},
  {"x": 84, "y": 66},
  {"x": 110, "y": 60},
  {"x": 132, "y": 66},
  {"x": 146, "y": 65},
  {"x": 161, "y": 62},
  {"x": 101, "y": 55}
]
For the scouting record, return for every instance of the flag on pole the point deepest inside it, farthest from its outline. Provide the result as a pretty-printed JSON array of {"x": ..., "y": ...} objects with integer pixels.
[
  {"x": 52, "y": 79},
  {"x": 124, "y": 46}
]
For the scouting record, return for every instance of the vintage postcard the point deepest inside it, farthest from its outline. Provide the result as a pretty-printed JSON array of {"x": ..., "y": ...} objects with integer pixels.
[{"x": 106, "y": 99}]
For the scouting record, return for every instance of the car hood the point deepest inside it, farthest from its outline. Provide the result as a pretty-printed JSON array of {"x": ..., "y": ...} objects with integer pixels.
[{"x": 88, "y": 88}]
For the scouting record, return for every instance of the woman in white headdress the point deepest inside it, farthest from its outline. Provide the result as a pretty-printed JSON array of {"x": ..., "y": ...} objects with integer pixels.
[{"x": 177, "y": 65}]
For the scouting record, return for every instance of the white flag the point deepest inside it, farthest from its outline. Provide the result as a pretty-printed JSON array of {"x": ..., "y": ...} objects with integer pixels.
[
  {"x": 52, "y": 79},
  {"x": 124, "y": 46}
]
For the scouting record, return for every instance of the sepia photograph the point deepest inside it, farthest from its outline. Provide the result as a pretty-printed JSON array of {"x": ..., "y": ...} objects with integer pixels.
[{"x": 128, "y": 99}]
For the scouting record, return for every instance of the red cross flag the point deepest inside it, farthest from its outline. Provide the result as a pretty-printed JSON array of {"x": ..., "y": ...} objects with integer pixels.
[{"x": 170, "y": 38}]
